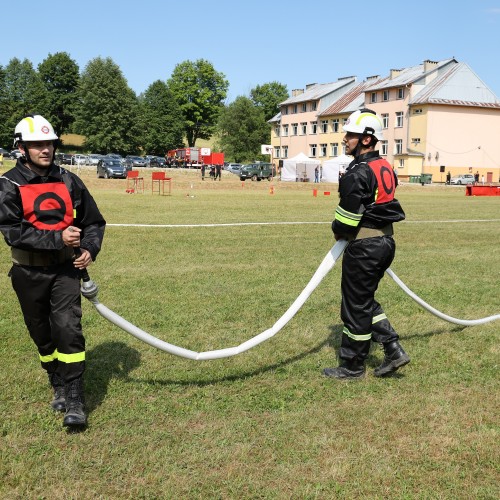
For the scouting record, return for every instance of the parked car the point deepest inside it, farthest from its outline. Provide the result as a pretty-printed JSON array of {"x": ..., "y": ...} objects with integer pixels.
[
  {"x": 157, "y": 162},
  {"x": 79, "y": 159},
  {"x": 93, "y": 159},
  {"x": 462, "y": 179},
  {"x": 15, "y": 153},
  {"x": 234, "y": 168},
  {"x": 148, "y": 159},
  {"x": 135, "y": 162},
  {"x": 111, "y": 168},
  {"x": 6, "y": 154},
  {"x": 64, "y": 158},
  {"x": 256, "y": 171}
]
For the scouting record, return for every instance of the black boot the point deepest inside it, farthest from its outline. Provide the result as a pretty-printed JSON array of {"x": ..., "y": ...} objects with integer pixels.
[
  {"x": 395, "y": 358},
  {"x": 75, "y": 404},
  {"x": 59, "y": 401},
  {"x": 346, "y": 371}
]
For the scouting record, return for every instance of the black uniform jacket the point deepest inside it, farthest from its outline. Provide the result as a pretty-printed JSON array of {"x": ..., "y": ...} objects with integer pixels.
[
  {"x": 367, "y": 196},
  {"x": 20, "y": 233}
]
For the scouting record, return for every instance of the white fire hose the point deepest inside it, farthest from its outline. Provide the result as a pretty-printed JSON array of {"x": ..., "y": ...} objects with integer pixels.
[{"x": 90, "y": 291}]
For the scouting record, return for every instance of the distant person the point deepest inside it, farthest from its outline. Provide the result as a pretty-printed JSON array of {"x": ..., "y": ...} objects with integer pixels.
[
  {"x": 364, "y": 217},
  {"x": 482, "y": 180},
  {"x": 203, "y": 171},
  {"x": 316, "y": 174},
  {"x": 448, "y": 178},
  {"x": 55, "y": 230},
  {"x": 218, "y": 172},
  {"x": 476, "y": 177}
]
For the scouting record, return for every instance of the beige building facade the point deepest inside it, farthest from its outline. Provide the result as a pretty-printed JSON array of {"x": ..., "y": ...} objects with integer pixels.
[{"x": 438, "y": 117}]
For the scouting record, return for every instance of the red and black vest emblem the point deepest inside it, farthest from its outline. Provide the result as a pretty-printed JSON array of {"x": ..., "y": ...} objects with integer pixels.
[
  {"x": 386, "y": 181},
  {"x": 47, "y": 206}
]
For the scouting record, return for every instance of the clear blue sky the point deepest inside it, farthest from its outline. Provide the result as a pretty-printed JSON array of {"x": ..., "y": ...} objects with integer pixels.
[{"x": 294, "y": 42}]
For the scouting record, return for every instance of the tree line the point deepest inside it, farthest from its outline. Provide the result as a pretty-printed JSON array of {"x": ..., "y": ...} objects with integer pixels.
[{"x": 98, "y": 104}]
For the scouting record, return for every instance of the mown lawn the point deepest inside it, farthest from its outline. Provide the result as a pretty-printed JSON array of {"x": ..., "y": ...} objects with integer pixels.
[{"x": 263, "y": 424}]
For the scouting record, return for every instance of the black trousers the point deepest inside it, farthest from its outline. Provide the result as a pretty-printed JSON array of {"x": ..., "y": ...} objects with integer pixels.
[
  {"x": 51, "y": 305},
  {"x": 363, "y": 266}
]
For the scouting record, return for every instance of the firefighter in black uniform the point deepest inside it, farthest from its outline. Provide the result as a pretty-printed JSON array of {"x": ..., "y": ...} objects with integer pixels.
[
  {"x": 55, "y": 230},
  {"x": 364, "y": 216}
]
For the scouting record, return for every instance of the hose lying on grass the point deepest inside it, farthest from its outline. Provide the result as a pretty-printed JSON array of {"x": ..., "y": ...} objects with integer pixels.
[{"x": 90, "y": 291}]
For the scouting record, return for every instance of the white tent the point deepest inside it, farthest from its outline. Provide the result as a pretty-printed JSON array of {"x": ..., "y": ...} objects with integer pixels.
[
  {"x": 331, "y": 168},
  {"x": 300, "y": 168}
]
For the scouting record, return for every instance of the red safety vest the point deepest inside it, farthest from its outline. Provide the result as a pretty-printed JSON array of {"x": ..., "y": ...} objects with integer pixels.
[{"x": 47, "y": 206}]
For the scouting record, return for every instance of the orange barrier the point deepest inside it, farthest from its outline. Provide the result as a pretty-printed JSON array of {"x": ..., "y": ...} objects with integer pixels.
[{"x": 472, "y": 190}]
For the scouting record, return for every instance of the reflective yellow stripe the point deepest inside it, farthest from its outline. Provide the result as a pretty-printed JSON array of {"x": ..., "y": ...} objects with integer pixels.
[
  {"x": 378, "y": 318},
  {"x": 71, "y": 358},
  {"x": 31, "y": 124},
  {"x": 346, "y": 217},
  {"x": 371, "y": 115},
  {"x": 358, "y": 338},
  {"x": 49, "y": 357}
]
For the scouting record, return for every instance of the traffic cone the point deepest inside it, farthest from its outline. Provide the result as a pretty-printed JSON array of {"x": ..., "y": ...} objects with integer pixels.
[
  {"x": 271, "y": 190},
  {"x": 315, "y": 193}
]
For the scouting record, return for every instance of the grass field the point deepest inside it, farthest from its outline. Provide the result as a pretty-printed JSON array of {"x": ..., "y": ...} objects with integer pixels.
[{"x": 264, "y": 424}]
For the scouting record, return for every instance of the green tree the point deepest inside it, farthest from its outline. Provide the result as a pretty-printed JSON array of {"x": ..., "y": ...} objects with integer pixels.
[
  {"x": 268, "y": 96},
  {"x": 60, "y": 75},
  {"x": 22, "y": 92},
  {"x": 163, "y": 118},
  {"x": 200, "y": 91},
  {"x": 108, "y": 112},
  {"x": 242, "y": 129}
]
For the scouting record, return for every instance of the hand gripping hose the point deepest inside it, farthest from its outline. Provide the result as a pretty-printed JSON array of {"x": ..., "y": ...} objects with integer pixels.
[{"x": 89, "y": 290}]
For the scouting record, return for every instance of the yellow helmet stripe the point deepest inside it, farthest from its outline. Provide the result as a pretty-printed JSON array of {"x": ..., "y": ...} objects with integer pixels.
[
  {"x": 362, "y": 115},
  {"x": 31, "y": 123}
]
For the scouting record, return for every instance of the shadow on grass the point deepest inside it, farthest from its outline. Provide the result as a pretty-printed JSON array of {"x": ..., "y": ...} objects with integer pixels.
[
  {"x": 105, "y": 362},
  {"x": 337, "y": 332}
]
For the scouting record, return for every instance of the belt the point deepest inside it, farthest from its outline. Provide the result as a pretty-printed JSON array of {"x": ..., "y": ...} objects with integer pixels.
[
  {"x": 41, "y": 259},
  {"x": 368, "y": 232}
]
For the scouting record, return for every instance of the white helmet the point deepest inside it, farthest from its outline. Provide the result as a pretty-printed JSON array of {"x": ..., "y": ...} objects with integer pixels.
[
  {"x": 364, "y": 121},
  {"x": 34, "y": 128}
]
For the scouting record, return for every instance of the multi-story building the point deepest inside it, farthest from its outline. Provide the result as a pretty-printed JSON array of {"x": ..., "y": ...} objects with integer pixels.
[{"x": 438, "y": 117}]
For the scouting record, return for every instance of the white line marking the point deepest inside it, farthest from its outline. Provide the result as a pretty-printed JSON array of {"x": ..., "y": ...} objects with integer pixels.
[{"x": 291, "y": 223}]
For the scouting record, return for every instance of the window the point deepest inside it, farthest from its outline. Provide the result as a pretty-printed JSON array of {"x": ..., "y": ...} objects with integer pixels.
[
  {"x": 276, "y": 152},
  {"x": 324, "y": 126},
  {"x": 285, "y": 130},
  {"x": 314, "y": 127},
  {"x": 284, "y": 110},
  {"x": 277, "y": 130},
  {"x": 398, "y": 146},
  {"x": 343, "y": 148},
  {"x": 416, "y": 141},
  {"x": 385, "y": 95},
  {"x": 285, "y": 151},
  {"x": 385, "y": 120},
  {"x": 295, "y": 128},
  {"x": 344, "y": 120},
  {"x": 401, "y": 93},
  {"x": 314, "y": 106},
  {"x": 383, "y": 148},
  {"x": 313, "y": 148},
  {"x": 322, "y": 149},
  {"x": 373, "y": 97},
  {"x": 335, "y": 125},
  {"x": 303, "y": 127},
  {"x": 304, "y": 107},
  {"x": 294, "y": 109},
  {"x": 334, "y": 148},
  {"x": 401, "y": 163},
  {"x": 417, "y": 111},
  {"x": 399, "y": 119}
]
